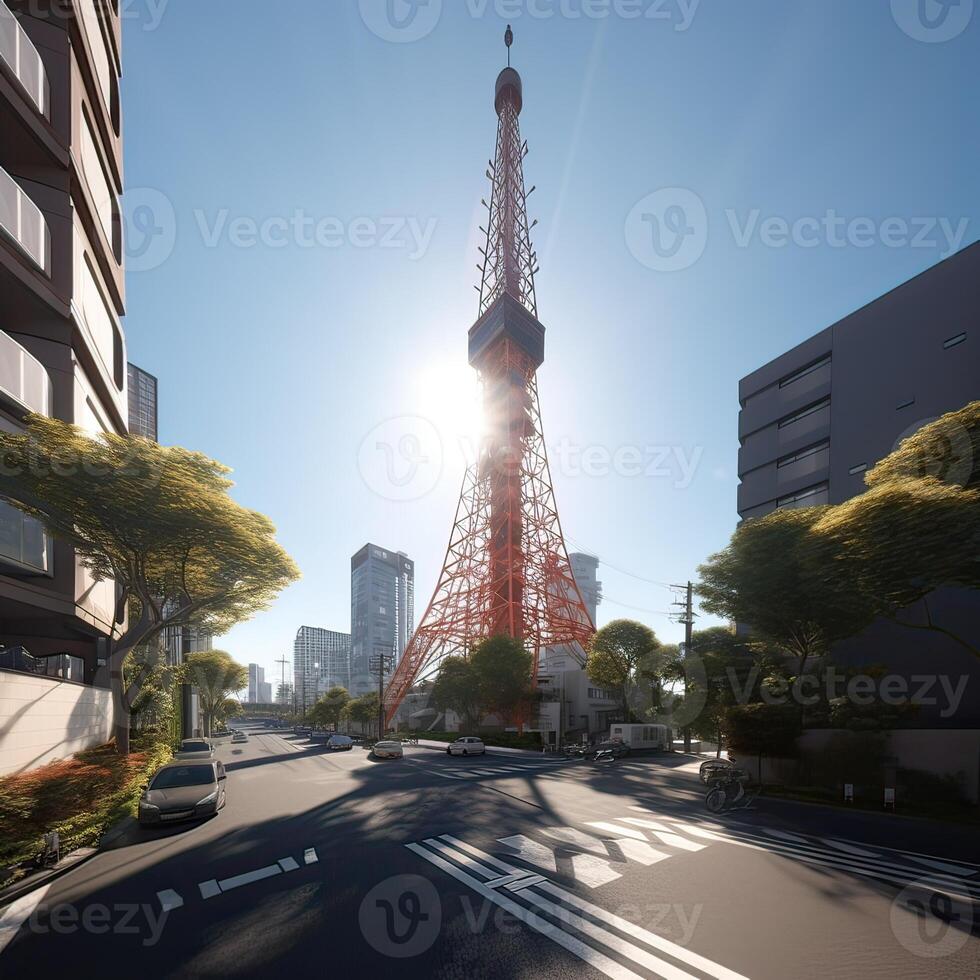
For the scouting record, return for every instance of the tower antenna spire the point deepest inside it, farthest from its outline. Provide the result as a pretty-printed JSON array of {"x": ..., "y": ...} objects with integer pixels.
[{"x": 508, "y": 40}]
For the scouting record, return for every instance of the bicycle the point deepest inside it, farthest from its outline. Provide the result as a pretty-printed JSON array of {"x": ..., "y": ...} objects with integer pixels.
[{"x": 728, "y": 793}]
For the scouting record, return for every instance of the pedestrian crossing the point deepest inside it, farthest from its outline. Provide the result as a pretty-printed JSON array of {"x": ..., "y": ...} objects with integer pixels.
[
  {"x": 528, "y": 875},
  {"x": 485, "y": 771},
  {"x": 598, "y": 852}
]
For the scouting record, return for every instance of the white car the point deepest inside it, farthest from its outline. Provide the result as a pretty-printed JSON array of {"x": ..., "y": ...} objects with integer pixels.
[
  {"x": 388, "y": 750},
  {"x": 239, "y": 737},
  {"x": 340, "y": 743},
  {"x": 467, "y": 746}
]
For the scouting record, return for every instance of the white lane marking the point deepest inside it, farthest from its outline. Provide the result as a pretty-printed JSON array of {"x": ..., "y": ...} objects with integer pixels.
[
  {"x": 170, "y": 900},
  {"x": 17, "y": 913},
  {"x": 516, "y": 886},
  {"x": 634, "y": 850},
  {"x": 531, "y": 851},
  {"x": 865, "y": 867},
  {"x": 675, "y": 840},
  {"x": 953, "y": 869},
  {"x": 616, "y": 829},
  {"x": 647, "y": 824},
  {"x": 569, "y": 835},
  {"x": 310, "y": 856},
  {"x": 288, "y": 864},
  {"x": 785, "y": 835},
  {"x": 569, "y": 899},
  {"x": 575, "y": 946},
  {"x": 237, "y": 881},
  {"x": 640, "y": 852},
  {"x": 569, "y": 921},
  {"x": 839, "y": 845},
  {"x": 209, "y": 889}
]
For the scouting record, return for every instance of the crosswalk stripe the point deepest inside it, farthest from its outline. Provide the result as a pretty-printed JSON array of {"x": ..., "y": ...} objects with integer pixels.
[
  {"x": 575, "y": 946},
  {"x": 839, "y": 845},
  {"x": 953, "y": 869},
  {"x": 570, "y": 900},
  {"x": 616, "y": 829},
  {"x": 865, "y": 867}
]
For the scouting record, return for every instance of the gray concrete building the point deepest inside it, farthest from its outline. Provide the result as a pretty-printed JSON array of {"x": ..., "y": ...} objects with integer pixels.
[
  {"x": 143, "y": 410},
  {"x": 321, "y": 660},
  {"x": 816, "y": 418},
  {"x": 382, "y": 610}
]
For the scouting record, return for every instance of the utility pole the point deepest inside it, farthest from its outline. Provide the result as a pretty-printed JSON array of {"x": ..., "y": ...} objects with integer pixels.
[
  {"x": 381, "y": 663},
  {"x": 282, "y": 683},
  {"x": 686, "y": 616}
]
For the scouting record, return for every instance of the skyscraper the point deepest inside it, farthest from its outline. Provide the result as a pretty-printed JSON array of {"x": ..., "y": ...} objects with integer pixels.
[
  {"x": 256, "y": 678},
  {"x": 382, "y": 610},
  {"x": 142, "y": 403},
  {"x": 321, "y": 660}
]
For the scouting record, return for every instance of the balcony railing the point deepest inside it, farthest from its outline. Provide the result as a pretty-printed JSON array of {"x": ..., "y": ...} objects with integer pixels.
[
  {"x": 21, "y": 219},
  {"x": 23, "y": 378},
  {"x": 23, "y": 60}
]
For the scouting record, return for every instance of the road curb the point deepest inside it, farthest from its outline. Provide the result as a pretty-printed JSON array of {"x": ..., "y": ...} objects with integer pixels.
[{"x": 25, "y": 886}]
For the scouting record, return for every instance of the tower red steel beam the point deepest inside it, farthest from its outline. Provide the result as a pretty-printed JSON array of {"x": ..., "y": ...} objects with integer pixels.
[{"x": 506, "y": 569}]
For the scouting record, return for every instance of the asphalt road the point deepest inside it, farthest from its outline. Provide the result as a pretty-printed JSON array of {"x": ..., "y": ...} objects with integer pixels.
[{"x": 503, "y": 866}]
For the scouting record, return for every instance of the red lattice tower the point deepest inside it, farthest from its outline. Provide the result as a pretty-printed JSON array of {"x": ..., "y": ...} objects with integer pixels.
[{"x": 506, "y": 569}]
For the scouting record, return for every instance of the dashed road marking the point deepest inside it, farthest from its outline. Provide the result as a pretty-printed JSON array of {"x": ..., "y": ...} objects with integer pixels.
[
  {"x": 17, "y": 913},
  {"x": 170, "y": 900}
]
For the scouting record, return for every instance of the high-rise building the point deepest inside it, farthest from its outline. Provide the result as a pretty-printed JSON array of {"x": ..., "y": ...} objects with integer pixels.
[
  {"x": 321, "y": 660},
  {"x": 256, "y": 678},
  {"x": 265, "y": 692},
  {"x": 816, "y": 418},
  {"x": 142, "y": 403},
  {"x": 62, "y": 347},
  {"x": 382, "y": 610}
]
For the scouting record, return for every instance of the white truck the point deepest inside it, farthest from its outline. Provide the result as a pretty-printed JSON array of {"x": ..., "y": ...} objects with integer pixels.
[{"x": 643, "y": 736}]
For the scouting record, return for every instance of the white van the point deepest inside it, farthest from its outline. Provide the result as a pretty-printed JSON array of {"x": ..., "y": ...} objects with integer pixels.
[{"x": 643, "y": 736}]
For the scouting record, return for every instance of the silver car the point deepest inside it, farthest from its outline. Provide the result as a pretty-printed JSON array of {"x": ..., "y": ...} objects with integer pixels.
[
  {"x": 195, "y": 748},
  {"x": 183, "y": 791}
]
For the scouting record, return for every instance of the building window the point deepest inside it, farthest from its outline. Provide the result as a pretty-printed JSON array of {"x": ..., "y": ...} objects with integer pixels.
[
  {"x": 803, "y": 413},
  {"x": 860, "y": 468},
  {"x": 954, "y": 341},
  {"x": 803, "y": 372},
  {"x": 803, "y": 454},
  {"x": 810, "y": 497},
  {"x": 908, "y": 402}
]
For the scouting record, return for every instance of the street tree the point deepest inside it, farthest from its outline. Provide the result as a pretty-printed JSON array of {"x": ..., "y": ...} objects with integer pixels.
[
  {"x": 502, "y": 668},
  {"x": 618, "y": 656},
  {"x": 909, "y": 535},
  {"x": 156, "y": 520},
  {"x": 364, "y": 709},
  {"x": 329, "y": 708},
  {"x": 457, "y": 688},
  {"x": 780, "y": 577},
  {"x": 217, "y": 676}
]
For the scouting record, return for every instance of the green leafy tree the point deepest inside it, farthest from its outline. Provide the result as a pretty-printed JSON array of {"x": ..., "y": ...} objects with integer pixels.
[
  {"x": 217, "y": 677},
  {"x": 778, "y": 576},
  {"x": 457, "y": 688},
  {"x": 330, "y": 707},
  {"x": 619, "y": 656},
  {"x": 159, "y": 522},
  {"x": 502, "y": 668},
  {"x": 917, "y": 527},
  {"x": 363, "y": 709}
]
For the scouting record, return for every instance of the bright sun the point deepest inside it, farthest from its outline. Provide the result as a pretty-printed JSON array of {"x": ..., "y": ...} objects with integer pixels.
[{"x": 447, "y": 393}]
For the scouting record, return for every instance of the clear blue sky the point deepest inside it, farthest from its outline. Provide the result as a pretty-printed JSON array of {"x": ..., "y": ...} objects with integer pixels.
[{"x": 281, "y": 358}]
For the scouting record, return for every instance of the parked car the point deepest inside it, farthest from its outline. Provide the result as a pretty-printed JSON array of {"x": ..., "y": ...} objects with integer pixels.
[
  {"x": 183, "y": 791},
  {"x": 302, "y": 730},
  {"x": 387, "y": 750},
  {"x": 239, "y": 737},
  {"x": 340, "y": 743},
  {"x": 195, "y": 748},
  {"x": 615, "y": 746},
  {"x": 468, "y": 745}
]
